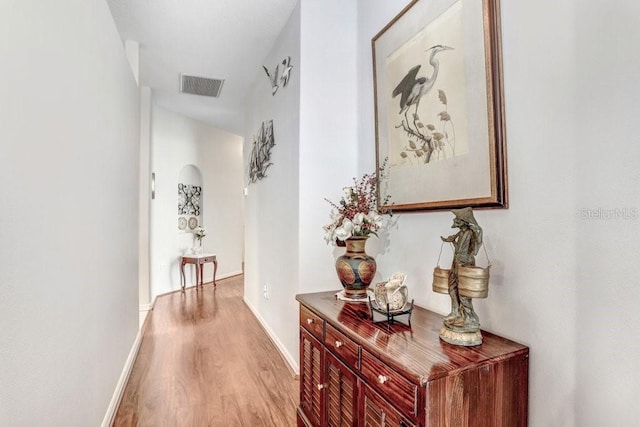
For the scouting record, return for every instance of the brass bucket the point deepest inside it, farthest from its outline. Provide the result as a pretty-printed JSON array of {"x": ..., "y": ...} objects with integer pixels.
[
  {"x": 473, "y": 282},
  {"x": 441, "y": 280}
]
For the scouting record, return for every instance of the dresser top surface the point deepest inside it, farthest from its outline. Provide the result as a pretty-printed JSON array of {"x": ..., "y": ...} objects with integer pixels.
[{"x": 416, "y": 349}]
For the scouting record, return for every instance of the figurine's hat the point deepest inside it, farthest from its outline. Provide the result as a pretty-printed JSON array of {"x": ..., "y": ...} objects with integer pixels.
[{"x": 465, "y": 214}]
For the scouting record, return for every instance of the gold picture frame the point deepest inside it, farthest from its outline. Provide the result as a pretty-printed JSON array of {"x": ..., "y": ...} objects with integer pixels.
[{"x": 439, "y": 108}]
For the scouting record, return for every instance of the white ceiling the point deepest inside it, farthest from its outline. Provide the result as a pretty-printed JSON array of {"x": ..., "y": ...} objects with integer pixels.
[{"x": 223, "y": 39}]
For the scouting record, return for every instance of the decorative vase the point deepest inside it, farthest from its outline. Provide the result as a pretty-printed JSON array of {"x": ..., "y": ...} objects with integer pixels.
[
  {"x": 355, "y": 268},
  {"x": 197, "y": 248}
]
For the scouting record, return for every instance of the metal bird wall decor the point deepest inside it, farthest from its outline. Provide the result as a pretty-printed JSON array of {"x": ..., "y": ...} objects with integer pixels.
[
  {"x": 279, "y": 80},
  {"x": 273, "y": 79},
  {"x": 259, "y": 160},
  {"x": 286, "y": 71}
]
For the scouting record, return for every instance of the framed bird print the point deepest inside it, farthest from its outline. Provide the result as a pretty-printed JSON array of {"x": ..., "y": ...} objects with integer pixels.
[{"x": 439, "y": 109}]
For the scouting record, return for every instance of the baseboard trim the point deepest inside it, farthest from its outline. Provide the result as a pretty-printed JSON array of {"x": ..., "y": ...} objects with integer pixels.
[
  {"x": 294, "y": 369},
  {"x": 227, "y": 275},
  {"x": 143, "y": 314},
  {"x": 122, "y": 382},
  {"x": 218, "y": 278},
  {"x": 148, "y": 307}
]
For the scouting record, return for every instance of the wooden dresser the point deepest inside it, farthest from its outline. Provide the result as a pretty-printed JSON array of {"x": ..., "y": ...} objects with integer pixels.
[{"x": 357, "y": 373}]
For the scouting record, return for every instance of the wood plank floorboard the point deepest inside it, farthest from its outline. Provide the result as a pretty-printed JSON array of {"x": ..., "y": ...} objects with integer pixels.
[{"x": 204, "y": 360}]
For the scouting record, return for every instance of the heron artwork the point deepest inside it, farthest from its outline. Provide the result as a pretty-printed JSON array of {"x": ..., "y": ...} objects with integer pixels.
[{"x": 411, "y": 89}]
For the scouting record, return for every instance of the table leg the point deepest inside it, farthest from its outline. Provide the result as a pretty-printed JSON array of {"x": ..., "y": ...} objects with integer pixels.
[
  {"x": 183, "y": 279},
  {"x": 215, "y": 269},
  {"x": 201, "y": 275}
]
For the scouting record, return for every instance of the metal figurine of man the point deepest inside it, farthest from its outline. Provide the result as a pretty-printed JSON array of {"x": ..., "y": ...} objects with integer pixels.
[{"x": 462, "y": 319}]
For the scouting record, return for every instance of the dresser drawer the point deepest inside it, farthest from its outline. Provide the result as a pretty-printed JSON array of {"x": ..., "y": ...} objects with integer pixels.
[
  {"x": 379, "y": 412},
  {"x": 207, "y": 259},
  {"x": 342, "y": 346},
  {"x": 312, "y": 323},
  {"x": 386, "y": 381}
]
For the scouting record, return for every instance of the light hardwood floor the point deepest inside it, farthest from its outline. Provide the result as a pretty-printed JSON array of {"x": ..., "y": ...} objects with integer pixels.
[{"x": 205, "y": 361}]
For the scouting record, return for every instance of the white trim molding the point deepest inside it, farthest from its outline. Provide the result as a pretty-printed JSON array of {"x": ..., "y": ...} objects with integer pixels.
[
  {"x": 289, "y": 361},
  {"x": 122, "y": 382},
  {"x": 227, "y": 275}
]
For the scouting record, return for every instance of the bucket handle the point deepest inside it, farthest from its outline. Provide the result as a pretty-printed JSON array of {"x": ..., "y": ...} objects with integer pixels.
[
  {"x": 442, "y": 246},
  {"x": 486, "y": 254},
  {"x": 453, "y": 249}
]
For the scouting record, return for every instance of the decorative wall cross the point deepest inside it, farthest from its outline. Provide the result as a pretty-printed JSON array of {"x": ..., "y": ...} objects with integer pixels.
[{"x": 189, "y": 199}]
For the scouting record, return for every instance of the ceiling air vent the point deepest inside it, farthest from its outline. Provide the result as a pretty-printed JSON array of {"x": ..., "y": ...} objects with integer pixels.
[{"x": 200, "y": 85}]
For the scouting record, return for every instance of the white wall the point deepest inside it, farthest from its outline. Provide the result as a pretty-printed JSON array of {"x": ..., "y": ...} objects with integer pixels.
[
  {"x": 532, "y": 244},
  {"x": 271, "y": 206},
  {"x": 328, "y": 129},
  {"x": 315, "y": 131},
  {"x": 178, "y": 141},
  {"x": 531, "y": 292},
  {"x": 68, "y": 228},
  {"x": 144, "y": 204},
  {"x": 607, "y": 151},
  {"x": 561, "y": 284}
]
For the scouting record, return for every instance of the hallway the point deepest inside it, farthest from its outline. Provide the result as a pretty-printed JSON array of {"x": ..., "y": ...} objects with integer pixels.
[{"x": 205, "y": 361}]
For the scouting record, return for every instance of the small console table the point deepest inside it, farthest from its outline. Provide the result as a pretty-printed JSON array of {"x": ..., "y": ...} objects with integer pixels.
[{"x": 199, "y": 260}]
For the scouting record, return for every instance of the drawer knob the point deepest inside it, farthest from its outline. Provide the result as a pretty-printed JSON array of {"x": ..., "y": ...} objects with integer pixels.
[
  {"x": 339, "y": 344},
  {"x": 382, "y": 379},
  {"x": 309, "y": 321},
  {"x": 320, "y": 386}
]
